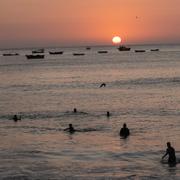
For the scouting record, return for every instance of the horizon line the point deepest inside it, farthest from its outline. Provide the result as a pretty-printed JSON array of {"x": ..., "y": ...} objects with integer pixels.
[{"x": 81, "y": 46}]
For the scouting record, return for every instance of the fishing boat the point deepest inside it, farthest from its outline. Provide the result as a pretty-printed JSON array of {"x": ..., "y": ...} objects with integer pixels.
[
  {"x": 78, "y": 54},
  {"x": 154, "y": 49},
  {"x": 35, "y": 56},
  {"x": 88, "y": 48},
  {"x": 38, "y": 51},
  {"x": 124, "y": 48},
  {"x": 56, "y": 52},
  {"x": 102, "y": 52},
  {"x": 10, "y": 54},
  {"x": 140, "y": 51}
]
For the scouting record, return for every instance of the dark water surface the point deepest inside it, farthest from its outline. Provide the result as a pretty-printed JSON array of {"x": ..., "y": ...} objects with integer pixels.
[{"x": 142, "y": 89}]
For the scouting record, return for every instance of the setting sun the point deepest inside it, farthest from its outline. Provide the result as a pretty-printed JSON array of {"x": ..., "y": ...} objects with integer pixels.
[{"x": 116, "y": 40}]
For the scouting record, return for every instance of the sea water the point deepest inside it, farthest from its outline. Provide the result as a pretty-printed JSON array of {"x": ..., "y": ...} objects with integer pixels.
[{"x": 142, "y": 90}]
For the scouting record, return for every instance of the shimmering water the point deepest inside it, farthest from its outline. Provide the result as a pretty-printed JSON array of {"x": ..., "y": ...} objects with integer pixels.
[{"x": 142, "y": 89}]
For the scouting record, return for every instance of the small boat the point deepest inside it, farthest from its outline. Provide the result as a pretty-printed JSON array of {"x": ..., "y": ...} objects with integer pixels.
[
  {"x": 35, "y": 56},
  {"x": 56, "y": 52},
  {"x": 102, "y": 52},
  {"x": 154, "y": 49},
  {"x": 88, "y": 48},
  {"x": 124, "y": 48},
  {"x": 140, "y": 51},
  {"x": 10, "y": 54},
  {"x": 38, "y": 51},
  {"x": 78, "y": 54}
]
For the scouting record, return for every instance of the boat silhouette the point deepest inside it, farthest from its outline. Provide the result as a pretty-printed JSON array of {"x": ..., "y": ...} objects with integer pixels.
[
  {"x": 88, "y": 48},
  {"x": 35, "y": 56},
  {"x": 10, "y": 54},
  {"x": 154, "y": 49},
  {"x": 38, "y": 51},
  {"x": 78, "y": 54},
  {"x": 56, "y": 52},
  {"x": 102, "y": 52},
  {"x": 140, "y": 51},
  {"x": 124, "y": 48}
]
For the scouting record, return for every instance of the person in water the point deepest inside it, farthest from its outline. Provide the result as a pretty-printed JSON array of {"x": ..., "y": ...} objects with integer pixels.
[
  {"x": 171, "y": 152},
  {"x": 124, "y": 132},
  {"x": 70, "y": 128},
  {"x": 108, "y": 114},
  {"x": 16, "y": 118}
]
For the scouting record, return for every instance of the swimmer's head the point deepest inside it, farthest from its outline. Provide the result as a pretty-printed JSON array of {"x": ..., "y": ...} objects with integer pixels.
[
  {"x": 124, "y": 125},
  {"x": 168, "y": 144}
]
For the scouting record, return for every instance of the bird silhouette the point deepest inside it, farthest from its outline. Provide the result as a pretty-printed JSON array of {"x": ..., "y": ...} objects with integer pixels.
[{"x": 102, "y": 85}]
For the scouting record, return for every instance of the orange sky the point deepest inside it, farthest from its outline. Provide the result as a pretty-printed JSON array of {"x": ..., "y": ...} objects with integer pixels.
[{"x": 26, "y": 23}]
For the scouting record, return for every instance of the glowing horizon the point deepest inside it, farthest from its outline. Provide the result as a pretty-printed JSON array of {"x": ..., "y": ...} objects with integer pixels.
[{"x": 77, "y": 22}]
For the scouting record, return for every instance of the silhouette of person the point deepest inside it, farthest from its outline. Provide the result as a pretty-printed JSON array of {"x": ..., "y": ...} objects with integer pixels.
[
  {"x": 171, "y": 152},
  {"x": 108, "y": 114},
  {"x": 124, "y": 132},
  {"x": 70, "y": 129},
  {"x": 75, "y": 110},
  {"x": 102, "y": 85},
  {"x": 15, "y": 118}
]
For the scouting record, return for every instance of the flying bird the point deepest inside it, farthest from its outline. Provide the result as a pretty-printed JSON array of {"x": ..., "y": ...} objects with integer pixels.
[{"x": 102, "y": 85}]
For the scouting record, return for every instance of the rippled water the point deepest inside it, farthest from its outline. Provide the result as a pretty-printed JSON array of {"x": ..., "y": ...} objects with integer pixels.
[{"x": 142, "y": 89}]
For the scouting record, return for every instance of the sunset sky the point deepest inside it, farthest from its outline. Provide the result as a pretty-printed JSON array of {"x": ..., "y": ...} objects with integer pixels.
[{"x": 25, "y": 23}]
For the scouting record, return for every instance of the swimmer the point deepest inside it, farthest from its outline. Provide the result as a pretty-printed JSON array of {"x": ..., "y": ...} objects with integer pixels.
[
  {"x": 75, "y": 110},
  {"x": 108, "y": 114},
  {"x": 70, "y": 129},
  {"x": 124, "y": 132},
  {"x": 16, "y": 118}
]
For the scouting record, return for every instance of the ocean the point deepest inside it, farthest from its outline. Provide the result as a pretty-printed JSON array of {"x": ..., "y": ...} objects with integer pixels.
[{"x": 142, "y": 90}]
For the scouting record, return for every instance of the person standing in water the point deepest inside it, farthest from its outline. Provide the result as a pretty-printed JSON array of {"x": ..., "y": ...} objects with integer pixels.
[
  {"x": 70, "y": 129},
  {"x": 171, "y": 152},
  {"x": 124, "y": 132}
]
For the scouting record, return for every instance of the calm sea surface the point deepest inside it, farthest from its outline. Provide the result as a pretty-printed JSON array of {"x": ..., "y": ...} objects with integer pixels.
[{"x": 142, "y": 90}]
